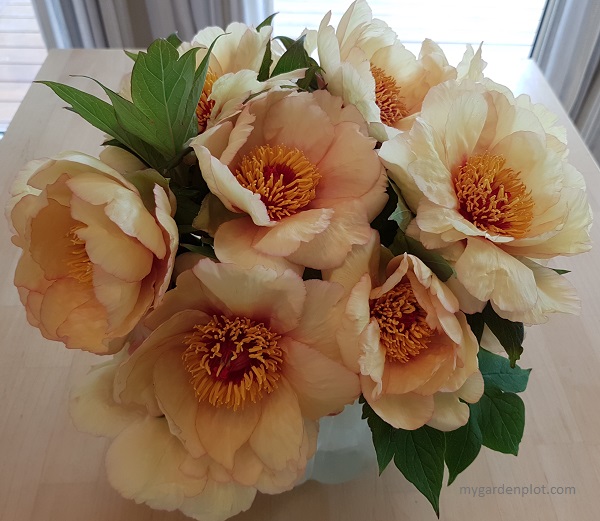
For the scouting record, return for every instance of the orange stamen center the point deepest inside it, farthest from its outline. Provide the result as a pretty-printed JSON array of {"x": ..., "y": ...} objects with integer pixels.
[
  {"x": 388, "y": 97},
  {"x": 80, "y": 266},
  {"x": 493, "y": 197},
  {"x": 232, "y": 360},
  {"x": 205, "y": 105},
  {"x": 404, "y": 332},
  {"x": 283, "y": 177}
]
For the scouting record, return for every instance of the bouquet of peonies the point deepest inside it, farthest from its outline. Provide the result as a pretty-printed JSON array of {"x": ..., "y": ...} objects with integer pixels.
[{"x": 269, "y": 237}]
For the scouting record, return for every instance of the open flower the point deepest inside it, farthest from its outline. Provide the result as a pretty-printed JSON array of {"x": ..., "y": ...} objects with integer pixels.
[
  {"x": 234, "y": 64},
  {"x": 97, "y": 249},
  {"x": 367, "y": 66},
  {"x": 486, "y": 175},
  {"x": 146, "y": 462},
  {"x": 403, "y": 332},
  {"x": 301, "y": 171},
  {"x": 242, "y": 363}
]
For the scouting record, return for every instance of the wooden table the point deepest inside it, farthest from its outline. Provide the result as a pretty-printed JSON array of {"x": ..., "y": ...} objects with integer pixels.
[{"x": 49, "y": 471}]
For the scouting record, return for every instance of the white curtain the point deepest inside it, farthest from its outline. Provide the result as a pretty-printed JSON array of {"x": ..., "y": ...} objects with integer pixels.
[
  {"x": 135, "y": 23},
  {"x": 567, "y": 51}
]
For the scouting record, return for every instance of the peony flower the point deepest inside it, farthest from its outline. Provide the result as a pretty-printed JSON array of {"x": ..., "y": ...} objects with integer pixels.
[
  {"x": 403, "y": 332},
  {"x": 98, "y": 247},
  {"x": 300, "y": 172},
  {"x": 368, "y": 67},
  {"x": 146, "y": 462},
  {"x": 487, "y": 176},
  {"x": 242, "y": 363},
  {"x": 234, "y": 65}
]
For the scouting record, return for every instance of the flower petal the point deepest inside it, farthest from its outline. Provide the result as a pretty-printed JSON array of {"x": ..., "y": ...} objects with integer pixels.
[
  {"x": 278, "y": 436},
  {"x": 449, "y": 412},
  {"x": 222, "y": 431},
  {"x": 402, "y": 411},
  {"x": 488, "y": 273},
  {"x": 323, "y": 386},
  {"x": 234, "y": 243}
]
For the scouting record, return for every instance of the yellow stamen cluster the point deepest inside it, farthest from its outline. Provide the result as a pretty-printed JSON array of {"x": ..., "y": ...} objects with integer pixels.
[
  {"x": 388, "y": 97},
  {"x": 493, "y": 197},
  {"x": 404, "y": 332},
  {"x": 80, "y": 266},
  {"x": 285, "y": 179},
  {"x": 205, "y": 106},
  {"x": 232, "y": 360}
]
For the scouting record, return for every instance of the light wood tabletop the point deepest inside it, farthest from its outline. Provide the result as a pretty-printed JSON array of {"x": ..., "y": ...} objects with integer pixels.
[{"x": 50, "y": 471}]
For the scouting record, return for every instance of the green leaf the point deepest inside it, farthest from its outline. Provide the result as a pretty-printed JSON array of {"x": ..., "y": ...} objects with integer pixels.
[
  {"x": 497, "y": 373},
  {"x": 561, "y": 272},
  {"x": 145, "y": 182},
  {"x": 187, "y": 209},
  {"x": 476, "y": 324},
  {"x": 265, "y": 66},
  {"x": 310, "y": 81},
  {"x": 420, "y": 458},
  {"x": 268, "y": 21},
  {"x": 196, "y": 91},
  {"x": 161, "y": 84},
  {"x": 102, "y": 115},
  {"x": 286, "y": 41},
  {"x": 509, "y": 334},
  {"x": 132, "y": 55},
  {"x": 502, "y": 420},
  {"x": 185, "y": 228},
  {"x": 382, "y": 434},
  {"x": 207, "y": 251},
  {"x": 435, "y": 262},
  {"x": 174, "y": 40},
  {"x": 402, "y": 214},
  {"x": 294, "y": 58},
  {"x": 418, "y": 454},
  {"x": 133, "y": 120},
  {"x": 383, "y": 223},
  {"x": 463, "y": 445}
]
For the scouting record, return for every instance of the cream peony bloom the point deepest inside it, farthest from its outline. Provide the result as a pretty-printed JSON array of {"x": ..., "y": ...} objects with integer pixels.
[
  {"x": 486, "y": 175},
  {"x": 368, "y": 67},
  {"x": 403, "y": 332},
  {"x": 242, "y": 364},
  {"x": 300, "y": 172},
  {"x": 98, "y": 247},
  {"x": 233, "y": 70},
  {"x": 146, "y": 462}
]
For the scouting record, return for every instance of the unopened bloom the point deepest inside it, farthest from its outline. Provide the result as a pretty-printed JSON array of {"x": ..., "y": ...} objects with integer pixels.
[
  {"x": 302, "y": 175},
  {"x": 242, "y": 363},
  {"x": 486, "y": 175},
  {"x": 403, "y": 332},
  {"x": 97, "y": 249}
]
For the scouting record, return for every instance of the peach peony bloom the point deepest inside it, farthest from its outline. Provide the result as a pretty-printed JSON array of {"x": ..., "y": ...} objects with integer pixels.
[
  {"x": 146, "y": 462},
  {"x": 368, "y": 67},
  {"x": 98, "y": 247},
  {"x": 487, "y": 176},
  {"x": 303, "y": 175},
  {"x": 242, "y": 363},
  {"x": 403, "y": 332}
]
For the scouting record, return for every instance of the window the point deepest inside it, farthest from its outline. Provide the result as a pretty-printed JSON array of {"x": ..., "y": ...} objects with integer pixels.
[{"x": 507, "y": 28}]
